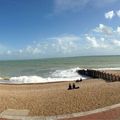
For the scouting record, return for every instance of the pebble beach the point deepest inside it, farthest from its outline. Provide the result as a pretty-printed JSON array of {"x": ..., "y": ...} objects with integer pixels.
[{"x": 55, "y": 98}]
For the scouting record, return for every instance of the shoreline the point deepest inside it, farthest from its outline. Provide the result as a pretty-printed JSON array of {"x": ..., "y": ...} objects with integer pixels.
[
  {"x": 34, "y": 83},
  {"x": 6, "y": 80}
]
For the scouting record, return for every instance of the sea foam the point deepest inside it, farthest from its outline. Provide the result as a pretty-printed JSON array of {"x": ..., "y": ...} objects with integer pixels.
[{"x": 56, "y": 76}]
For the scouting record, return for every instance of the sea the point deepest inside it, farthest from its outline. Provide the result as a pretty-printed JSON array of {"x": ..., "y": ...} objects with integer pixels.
[{"x": 53, "y": 69}]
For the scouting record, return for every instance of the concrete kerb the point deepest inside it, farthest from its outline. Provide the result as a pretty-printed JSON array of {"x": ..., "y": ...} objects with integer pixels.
[
  {"x": 60, "y": 116},
  {"x": 80, "y": 114}
]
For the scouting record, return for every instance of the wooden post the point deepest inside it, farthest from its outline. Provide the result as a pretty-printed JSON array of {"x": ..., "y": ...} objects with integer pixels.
[
  {"x": 113, "y": 78},
  {"x": 107, "y": 77},
  {"x": 103, "y": 75},
  {"x": 118, "y": 78}
]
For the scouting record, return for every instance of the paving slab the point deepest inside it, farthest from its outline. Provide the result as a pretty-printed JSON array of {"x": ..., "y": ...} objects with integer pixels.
[{"x": 14, "y": 114}]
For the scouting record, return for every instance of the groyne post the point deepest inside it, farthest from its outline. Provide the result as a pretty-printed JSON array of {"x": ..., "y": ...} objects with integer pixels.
[{"x": 99, "y": 74}]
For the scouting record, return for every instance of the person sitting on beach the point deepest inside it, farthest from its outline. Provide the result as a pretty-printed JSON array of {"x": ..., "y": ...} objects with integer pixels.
[
  {"x": 70, "y": 87},
  {"x": 74, "y": 86},
  {"x": 79, "y": 80}
]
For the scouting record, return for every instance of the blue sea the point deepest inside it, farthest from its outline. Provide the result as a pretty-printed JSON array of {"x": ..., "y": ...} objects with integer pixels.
[{"x": 54, "y": 69}]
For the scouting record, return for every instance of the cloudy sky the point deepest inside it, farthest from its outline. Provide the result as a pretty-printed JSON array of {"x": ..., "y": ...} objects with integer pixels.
[{"x": 57, "y": 28}]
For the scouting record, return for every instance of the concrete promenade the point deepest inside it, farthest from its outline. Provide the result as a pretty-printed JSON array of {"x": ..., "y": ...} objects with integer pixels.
[
  {"x": 106, "y": 113},
  {"x": 113, "y": 114}
]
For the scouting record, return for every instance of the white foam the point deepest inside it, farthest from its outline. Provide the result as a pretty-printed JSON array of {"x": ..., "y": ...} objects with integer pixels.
[
  {"x": 56, "y": 76},
  {"x": 38, "y": 79},
  {"x": 27, "y": 79},
  {"x": 68, "y": 73}
]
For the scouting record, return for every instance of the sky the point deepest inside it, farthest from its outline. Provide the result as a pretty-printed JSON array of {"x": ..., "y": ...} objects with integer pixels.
[{"x": 32, "y": 29}]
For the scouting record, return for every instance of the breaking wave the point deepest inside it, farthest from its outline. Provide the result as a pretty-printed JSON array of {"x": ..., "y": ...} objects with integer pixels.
[{"x": 56, "y": 76}]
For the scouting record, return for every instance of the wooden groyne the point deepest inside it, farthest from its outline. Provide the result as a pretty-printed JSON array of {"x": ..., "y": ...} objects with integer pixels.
[{"x": 99, "y": 74}]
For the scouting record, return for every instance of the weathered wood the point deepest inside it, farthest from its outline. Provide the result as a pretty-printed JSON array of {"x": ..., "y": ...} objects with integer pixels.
[{"x": 99, "y": 74}]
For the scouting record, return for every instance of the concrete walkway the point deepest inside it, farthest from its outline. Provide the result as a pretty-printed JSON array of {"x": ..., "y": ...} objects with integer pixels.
[
  {"x": 106, "y": 113},
  {"x": 14, "y": 114},
  {"x": 113, "y": 114}
]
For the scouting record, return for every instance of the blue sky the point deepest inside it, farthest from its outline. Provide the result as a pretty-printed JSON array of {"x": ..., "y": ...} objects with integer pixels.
[{"x": 32, "y": 29}]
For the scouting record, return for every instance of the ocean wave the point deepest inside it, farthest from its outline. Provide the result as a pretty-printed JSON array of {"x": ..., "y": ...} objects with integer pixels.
[
  {"x": 56, "y": 76},
  {"x": 38, "y": 79},
  {"x": 68, "y": 73}
]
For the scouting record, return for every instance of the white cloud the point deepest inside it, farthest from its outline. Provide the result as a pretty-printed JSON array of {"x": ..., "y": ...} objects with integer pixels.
[
  {"x": 96, "y": 43},
  {"x": 109, "y": 15},
  {"x": 118, "y": 30},
  {"x": 104, "y": 29},
  {"x": 102, "y": 39},
  {"x": 20, "y": 51},
  {"x": 118, "y": 13},
  {"x": 3, "y": 48},
  {"x": 65, "y": 44},
  {"x": 34, "y": 49},
  {"x": 93, "y": 41},
  {"x": 109, "y": 36},
  {"x": 9, "y": 52},
  {"x": 116, "y": 42},
  {"x": 61, "y": 45},
  {"x": 103, "y": 36}
]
